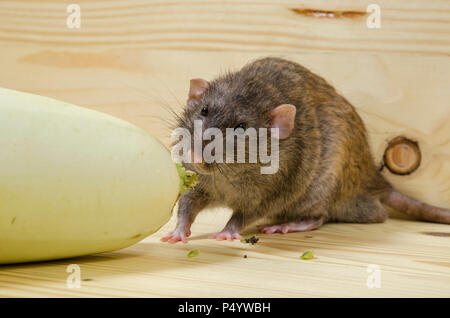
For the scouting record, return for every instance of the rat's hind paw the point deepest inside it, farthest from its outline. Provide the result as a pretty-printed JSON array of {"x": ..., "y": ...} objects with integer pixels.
[
  {"x": 225, "y": 235},
  {"x": 301, "y": 226},
  {"x": 176, "y": 236},
  {"x": 269, "y": 229}
]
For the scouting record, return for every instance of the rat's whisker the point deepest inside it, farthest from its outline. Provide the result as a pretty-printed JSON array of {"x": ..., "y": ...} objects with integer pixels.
[{"x": 228, "y": 166}]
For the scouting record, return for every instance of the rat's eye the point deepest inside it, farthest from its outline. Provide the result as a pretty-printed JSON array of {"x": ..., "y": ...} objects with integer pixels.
[
  {"x": 204, "y": 111},
  {"x": 241, "y": 125}
]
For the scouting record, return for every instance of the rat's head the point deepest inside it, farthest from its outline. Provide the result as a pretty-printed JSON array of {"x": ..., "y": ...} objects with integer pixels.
[{"x": 231, "y": 104}]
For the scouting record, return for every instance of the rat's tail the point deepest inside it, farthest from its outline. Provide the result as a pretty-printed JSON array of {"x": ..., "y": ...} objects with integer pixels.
[{"x": 420, "y": 210}]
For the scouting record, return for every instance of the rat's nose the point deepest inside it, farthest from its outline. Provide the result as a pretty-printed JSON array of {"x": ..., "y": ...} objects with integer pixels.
[{"x": 195, "y": 156}]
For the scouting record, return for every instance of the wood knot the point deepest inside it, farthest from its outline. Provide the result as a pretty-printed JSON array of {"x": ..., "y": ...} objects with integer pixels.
[
  {"x": 402, "y": 156},
  {"x": 335, "y": 14}
]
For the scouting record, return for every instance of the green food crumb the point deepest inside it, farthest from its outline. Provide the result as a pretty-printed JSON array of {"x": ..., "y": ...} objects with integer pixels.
[
  {"x": 13, "y": 220},
  {"x": 193, "y": 253},
  {"x": 307, "y": 255},
  {"x": 188, "y": 178}
]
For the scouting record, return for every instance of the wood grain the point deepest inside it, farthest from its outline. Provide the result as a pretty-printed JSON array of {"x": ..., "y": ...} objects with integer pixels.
[
  {"x": 133, "y": 59},
  {"x": 255, "y": 26}
]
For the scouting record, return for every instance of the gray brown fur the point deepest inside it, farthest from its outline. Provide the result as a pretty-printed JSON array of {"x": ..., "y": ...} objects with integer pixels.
[{"x": 326, "y": 169}]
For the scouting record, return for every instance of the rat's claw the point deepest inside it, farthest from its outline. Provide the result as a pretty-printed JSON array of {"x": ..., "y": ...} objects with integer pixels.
[
  {"x": 167, "y": 237},
  {"x": 176, "y": 236},
  {"x": 225, "y": 235}
]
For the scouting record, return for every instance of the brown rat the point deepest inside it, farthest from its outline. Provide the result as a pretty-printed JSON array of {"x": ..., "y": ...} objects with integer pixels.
[{"x": 326, "y": 171}]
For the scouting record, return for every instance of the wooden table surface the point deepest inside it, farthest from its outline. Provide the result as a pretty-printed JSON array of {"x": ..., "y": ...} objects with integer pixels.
[
  {"x": 133, "y": 59},
  {"x": 413, "y": 259}
]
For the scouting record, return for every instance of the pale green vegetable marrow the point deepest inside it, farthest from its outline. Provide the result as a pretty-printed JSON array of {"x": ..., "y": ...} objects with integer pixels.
[{"x": 74, "y": 181}]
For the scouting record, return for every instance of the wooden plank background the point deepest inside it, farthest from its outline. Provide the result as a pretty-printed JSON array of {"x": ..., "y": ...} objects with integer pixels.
[{"x": 133, "y": 59}]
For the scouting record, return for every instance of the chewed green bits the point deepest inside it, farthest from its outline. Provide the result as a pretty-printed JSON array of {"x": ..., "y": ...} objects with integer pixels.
[
  {"x": 307, "y": 255},
  {"x": 188, "y": 178},
  {"x": 193, "y": 253}
]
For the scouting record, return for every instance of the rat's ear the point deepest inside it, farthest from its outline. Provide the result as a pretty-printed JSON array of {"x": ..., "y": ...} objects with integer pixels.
[
  {"x": 196, "y": 91},
  {"x": 283, "y": 118}
]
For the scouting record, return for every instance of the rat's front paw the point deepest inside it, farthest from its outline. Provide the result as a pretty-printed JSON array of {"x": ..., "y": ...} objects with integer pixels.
[
  {"x": 177, "y": 235},
  {"x": 225, "y": 235}
]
